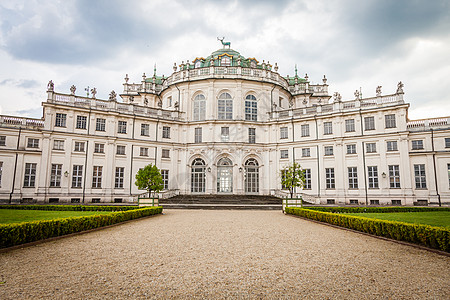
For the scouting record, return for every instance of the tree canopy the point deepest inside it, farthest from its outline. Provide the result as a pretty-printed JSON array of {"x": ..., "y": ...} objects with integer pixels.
[
  {"x": 292, "y": 176},
  {"x": 150, "y": 179}
]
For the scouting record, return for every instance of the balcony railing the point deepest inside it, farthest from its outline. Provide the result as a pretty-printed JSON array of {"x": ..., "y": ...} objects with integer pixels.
[
  {"x": 8, "y": 121},
  {"x": 366, "y": 103},
  {"x": 112, "y": 106},
  {"x": 427, "y": 124}
]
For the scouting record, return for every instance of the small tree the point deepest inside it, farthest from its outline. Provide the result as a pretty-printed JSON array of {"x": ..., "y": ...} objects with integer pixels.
[
  {"x": 150, "y": 179},
  {"x": 292, "y": 176}
]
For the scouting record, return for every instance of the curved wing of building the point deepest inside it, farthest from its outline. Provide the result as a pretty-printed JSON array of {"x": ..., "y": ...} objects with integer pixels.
[{"x": 225, "y": 124}]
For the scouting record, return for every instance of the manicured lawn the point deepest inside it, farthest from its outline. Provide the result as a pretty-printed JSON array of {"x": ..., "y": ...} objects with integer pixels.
[
  {"x": 433, "y": 218},
  {"x": 21, "y": 215}
]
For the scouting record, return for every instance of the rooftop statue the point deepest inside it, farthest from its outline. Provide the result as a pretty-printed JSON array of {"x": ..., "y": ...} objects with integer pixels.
[
  {"x": 224, "y": 43},
  {"x": 400, "y": 86},
  {"x": 378, "y": 91}
]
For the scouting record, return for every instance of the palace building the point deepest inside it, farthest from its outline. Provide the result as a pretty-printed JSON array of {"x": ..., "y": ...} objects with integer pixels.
[{"x": 225, "y": 124}]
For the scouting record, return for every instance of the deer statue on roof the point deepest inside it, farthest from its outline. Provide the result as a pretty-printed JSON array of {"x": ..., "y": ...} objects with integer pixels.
[{"x": 224, "y": 43}]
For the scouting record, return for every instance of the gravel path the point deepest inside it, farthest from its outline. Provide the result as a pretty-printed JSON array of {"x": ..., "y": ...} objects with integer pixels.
[{"x": 223, "y": 254}]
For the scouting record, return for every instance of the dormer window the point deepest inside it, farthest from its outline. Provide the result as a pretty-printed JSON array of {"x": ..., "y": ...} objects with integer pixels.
[
  {"x": 225, "y": 61},
  {"x": 198, "y": 64},
  {"x": 252, "y": 64}
]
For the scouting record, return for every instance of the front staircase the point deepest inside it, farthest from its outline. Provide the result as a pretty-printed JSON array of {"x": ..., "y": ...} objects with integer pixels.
[{"x": 222, "y": 202}]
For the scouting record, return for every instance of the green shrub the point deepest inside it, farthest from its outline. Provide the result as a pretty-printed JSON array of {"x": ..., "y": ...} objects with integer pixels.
[
  {"x": 429, "y": 236},
  {"x": 26, "y": 232},
  {"x": 70, "y": 207},
  {"x": 376, "y": 209}
]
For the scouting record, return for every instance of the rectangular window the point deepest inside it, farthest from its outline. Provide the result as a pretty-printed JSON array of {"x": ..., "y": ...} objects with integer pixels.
[
  {"x": 100, "y": 125},
  {"x": 33, "y": 143},
  {"x": 165, "y": 178},
  {"x": 417, "y": 144},
  {"x": 283, "y": 133},
  {"x": 143, "y": 151},
  {"x": 77, "y": 176},
  {"x": 284, "y": 153},
  {"x": 55, "y": 175},
  {"x": 198, "y": 135},
  {"x": 394, "y": 176},
  {"x": 97, "y": 177},
  {"x": 420, "y": 178},
  {"x": 2, "y": 140},
  {"x": 252, "y": 135},
  {"x": 122, "y": 127},
  {"x": 448, "y": 170},
  {"x": 120, "y": 150},
  {"x": 60, "y": 120},
  {"x": 351, "y": 149},
  {"x": 1, "y": 172},
  {"x": 329, "y": 176},
  {"x": 79, "y": 147},
  {"x": 166, "y": 132},
  {"x": 81, "y": 122},
  {"x": 371, "y": 147},
  {"x": 374, "y": 202},
  {"x": 306, "y": 152},
  {"x": 352, "y": 178},
  {"x": 145, "y": 129},
  {"x": 225, "y": 134},
  {"x": 99, "y": 148},
  {"x": 373, "y": 177},
  {"x": 118, "y": 181},
  {"x": 350, "y": 125},
  {"x": 307, "y": 185},
  {"x": 327, "y": 128},
  {"x": 390, "y": 121},
  {"x": 165, "y": 153},
  {"x": 305, "y": 130},
  {"x": 369, "y": 123},
  {"x": 447, "y": 143},
  {"x": 58, "y": 145},
  {"x": 30, "y": 175},
  {"x": 328, "y": 150},
  {"x": 391, "y": 146}
]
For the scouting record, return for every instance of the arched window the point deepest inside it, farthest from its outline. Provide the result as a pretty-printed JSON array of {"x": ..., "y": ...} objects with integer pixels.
[
  {"x": 225, "y": 61},
  {"x": 251, "y": 176},
  {"x": 198, "y": 64},
  {"x": 199, "y": 108},
  {"x": 224, "y": 176},
  {"x": 198, "y": 176},
  {"x": 251, "y": 108},
  {"x": 225, "y": 107}
]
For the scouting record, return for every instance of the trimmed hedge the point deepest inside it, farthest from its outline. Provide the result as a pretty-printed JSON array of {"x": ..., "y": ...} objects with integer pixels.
[
  {"x": 26, "y": 232},
  {"x": 429, "y": 236},
  {"x": 376, "y": 209},
  {"x": 70, "y": 207}
]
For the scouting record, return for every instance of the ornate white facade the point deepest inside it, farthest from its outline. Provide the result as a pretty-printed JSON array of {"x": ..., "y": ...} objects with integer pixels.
[{"x": 225, "y": 124}]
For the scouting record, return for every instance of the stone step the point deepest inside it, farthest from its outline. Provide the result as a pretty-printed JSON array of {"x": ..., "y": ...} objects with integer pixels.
[{"x": 222, "y": 202}]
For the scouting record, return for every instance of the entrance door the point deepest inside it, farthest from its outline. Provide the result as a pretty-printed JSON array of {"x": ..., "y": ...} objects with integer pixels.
[{"x": 224, "y": 176}]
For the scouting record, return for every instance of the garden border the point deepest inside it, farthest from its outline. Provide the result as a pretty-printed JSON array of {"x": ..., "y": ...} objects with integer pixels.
[
  {"x": 28, "y": 232},
  {"x": 425, "y": 235}
]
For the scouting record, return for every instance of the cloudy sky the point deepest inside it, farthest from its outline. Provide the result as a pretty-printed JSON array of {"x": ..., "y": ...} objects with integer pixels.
[{"x": 357, "y": 44}]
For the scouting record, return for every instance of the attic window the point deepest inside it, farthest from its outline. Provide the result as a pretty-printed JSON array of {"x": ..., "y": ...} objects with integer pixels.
[
  {"x": 225, "y": 61},
  {"x": 198, "y": 64},
  {"x": 253, "y": 64}
]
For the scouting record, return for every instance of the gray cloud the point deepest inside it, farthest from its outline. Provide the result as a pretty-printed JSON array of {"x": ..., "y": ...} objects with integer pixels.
[{"x": 22, "y": 83}]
